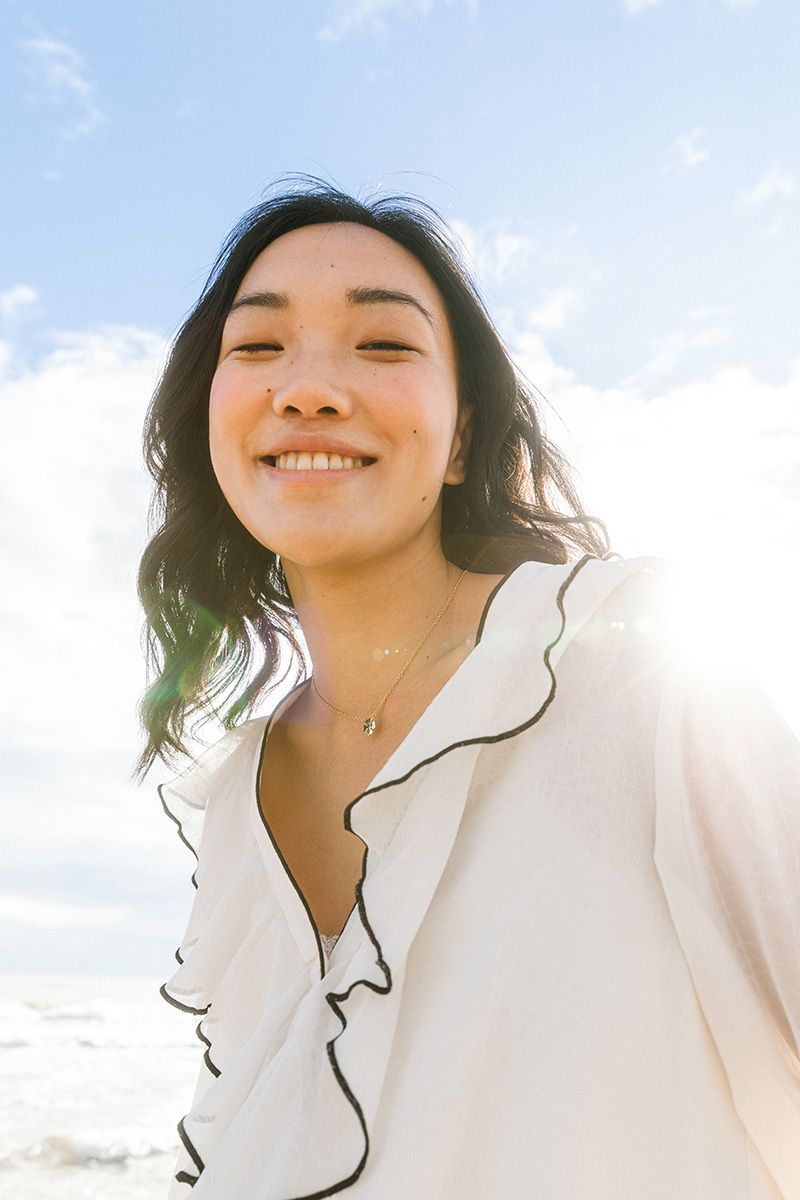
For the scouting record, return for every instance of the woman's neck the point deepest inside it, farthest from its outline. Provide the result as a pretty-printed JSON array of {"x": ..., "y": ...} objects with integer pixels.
[{"x": 361, "y": 626}]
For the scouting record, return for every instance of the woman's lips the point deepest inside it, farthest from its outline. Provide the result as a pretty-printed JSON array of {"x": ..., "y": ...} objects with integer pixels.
[{"x": 306, "y": 467}]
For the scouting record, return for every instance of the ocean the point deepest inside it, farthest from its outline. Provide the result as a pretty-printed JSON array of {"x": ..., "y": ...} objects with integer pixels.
[{"x": 96, "y": 1073}]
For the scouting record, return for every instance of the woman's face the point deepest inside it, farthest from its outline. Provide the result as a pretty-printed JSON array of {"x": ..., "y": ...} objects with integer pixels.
[{"x": 334, "y": 412}]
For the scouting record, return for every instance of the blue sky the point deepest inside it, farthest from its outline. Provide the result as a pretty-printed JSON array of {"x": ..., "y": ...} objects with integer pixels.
[
  {"x": 630, "y": 144},
  {"x": 626, "y": 177}
]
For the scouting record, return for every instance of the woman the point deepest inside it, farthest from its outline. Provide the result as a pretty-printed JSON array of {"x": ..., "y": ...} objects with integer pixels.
[{"x": 502, "y": 899}]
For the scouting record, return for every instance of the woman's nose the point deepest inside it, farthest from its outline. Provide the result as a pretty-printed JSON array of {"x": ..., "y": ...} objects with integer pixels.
[{"x": 310, "y": 391}]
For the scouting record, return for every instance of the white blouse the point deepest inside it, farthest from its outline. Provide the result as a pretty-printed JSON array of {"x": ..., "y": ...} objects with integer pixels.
[{"x": 573, "y": 969}]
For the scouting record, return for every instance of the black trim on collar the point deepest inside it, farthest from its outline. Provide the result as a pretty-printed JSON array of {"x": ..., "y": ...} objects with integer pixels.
[
  {"x": 181, "y": 835},
  {"x": 191, "y": 1151},
  {"x": 491, "y": 598},
  {"x": 215, "y": 1071},
  {"x": 334, "y": 999},
  {"x": 187, "y": 1008},
  {"x": 490, "y": 738}
]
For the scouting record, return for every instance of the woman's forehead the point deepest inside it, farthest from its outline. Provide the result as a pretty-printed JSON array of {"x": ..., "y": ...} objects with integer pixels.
[{"x": 338, "y": 254}]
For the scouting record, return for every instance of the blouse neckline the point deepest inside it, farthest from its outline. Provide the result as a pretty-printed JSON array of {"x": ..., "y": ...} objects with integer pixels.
[{"x": 295, "y": 906}]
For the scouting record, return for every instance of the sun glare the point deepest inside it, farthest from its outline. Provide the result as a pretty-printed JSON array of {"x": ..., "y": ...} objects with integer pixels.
[
  {"x": 722, "y": 623},
  {"x": 710, "y": 623}
]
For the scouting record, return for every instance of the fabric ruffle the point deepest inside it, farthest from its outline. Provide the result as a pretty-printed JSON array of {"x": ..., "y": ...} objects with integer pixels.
[{"x": 296, "y": 1058}]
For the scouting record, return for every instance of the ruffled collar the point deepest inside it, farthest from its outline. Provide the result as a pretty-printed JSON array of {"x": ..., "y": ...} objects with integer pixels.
[{"x": 336, "y": 1046}]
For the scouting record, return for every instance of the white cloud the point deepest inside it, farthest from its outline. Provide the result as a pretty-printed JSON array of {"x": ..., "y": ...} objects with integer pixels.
[
  {"x": 777, "y": 181},
  {"x": 16, "y": 298},
  {"x": 371, "y": 16},
  {"x": 555, "y": 310},
  {"x": 688, "y": 152},
  {"x": 60, "y": 73},
  {"x": 73, "y": 504},
  {"x": 73, "y": 500},
  {"x": 505, "y": 259},
  {"x": 493, "y": 251},
  {"x": 637, "y": 6},
  {"x": 741, "y": 3},
  {"x": 359, "y": 16},
  {"x": 671, "y": 351},
  {"x": 43, "y": 914}
]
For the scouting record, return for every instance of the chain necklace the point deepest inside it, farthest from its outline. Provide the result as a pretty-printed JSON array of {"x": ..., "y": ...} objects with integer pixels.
[{"x": 368, "y": 724}]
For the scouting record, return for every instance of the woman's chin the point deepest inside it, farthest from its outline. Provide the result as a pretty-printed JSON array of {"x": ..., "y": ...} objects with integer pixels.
[
  {"x": 328, "y": 551},
  {"x": 336, "y": 551}
]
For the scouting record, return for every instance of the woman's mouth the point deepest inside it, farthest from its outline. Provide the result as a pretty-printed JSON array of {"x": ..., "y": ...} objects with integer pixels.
[{"x": 320, "y": 460}]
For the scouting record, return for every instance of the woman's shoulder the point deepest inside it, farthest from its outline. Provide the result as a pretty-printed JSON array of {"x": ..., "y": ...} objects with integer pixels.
[
  {"x": 556, "y": 601},
  {"x": 591, "y": 577}
]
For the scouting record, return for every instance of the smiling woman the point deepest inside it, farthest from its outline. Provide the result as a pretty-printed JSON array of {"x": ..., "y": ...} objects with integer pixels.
[
  {"x": 215, "y": 595},
  {"x": 536, "y": 933}
]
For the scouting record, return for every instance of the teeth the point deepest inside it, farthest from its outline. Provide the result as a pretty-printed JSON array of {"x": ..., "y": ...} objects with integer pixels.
[{"x": 318, "y": 461}]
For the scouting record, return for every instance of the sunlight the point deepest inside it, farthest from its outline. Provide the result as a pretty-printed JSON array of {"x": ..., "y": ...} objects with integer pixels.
[
  {"x": 712, "y": 621},
  {"x": 723, "y": 621}
]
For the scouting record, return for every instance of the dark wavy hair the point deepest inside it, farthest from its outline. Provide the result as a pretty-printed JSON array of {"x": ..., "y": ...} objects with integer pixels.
[{"x": 218, "y": 611}]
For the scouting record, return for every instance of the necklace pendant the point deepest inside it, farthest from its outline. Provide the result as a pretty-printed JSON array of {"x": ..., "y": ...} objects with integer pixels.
[{"x": 369, "y": 726}]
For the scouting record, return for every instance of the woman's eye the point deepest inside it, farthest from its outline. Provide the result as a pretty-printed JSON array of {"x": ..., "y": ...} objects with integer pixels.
[
  {"x": 256, "y": 348},
  {"x": 389, "y": 346}
]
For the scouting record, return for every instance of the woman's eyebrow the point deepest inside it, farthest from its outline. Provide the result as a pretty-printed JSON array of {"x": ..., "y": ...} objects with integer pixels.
[
  {"x": 261, "y": 300},
  {"x": 367, "y": 295}
]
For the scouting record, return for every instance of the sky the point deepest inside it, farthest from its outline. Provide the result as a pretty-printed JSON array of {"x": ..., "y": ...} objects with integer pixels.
[{"x": 625, "y": 178}]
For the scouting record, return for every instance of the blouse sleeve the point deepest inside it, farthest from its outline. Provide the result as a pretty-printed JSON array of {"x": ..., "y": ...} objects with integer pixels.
[{"x": 728, "y": 854}]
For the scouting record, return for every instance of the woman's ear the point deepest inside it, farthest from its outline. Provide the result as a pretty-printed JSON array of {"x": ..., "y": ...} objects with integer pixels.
[{"x": 459, "y": 452}]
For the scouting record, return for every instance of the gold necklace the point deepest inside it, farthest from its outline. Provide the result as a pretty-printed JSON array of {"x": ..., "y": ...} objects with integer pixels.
[{"x": 368, "y": 724}]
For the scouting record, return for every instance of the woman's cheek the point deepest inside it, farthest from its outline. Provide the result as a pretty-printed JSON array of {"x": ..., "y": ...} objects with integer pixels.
[
  {"x": 231, "y": 409},
  {"x": 225, "y": 397},
  {"x": 224, "y": 422}
]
